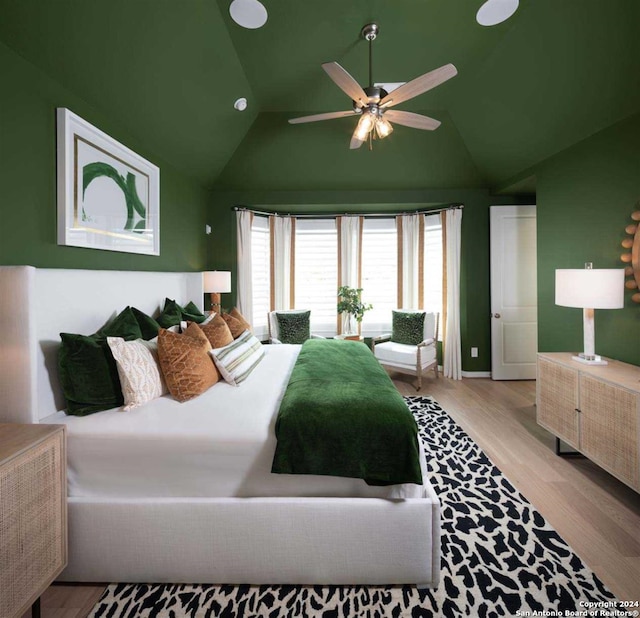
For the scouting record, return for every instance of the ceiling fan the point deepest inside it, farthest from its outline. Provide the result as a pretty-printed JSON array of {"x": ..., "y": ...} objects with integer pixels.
[{"x": 373, "y": 103}]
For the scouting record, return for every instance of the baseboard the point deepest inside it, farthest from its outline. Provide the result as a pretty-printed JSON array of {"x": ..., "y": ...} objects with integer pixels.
[{"x": 476, "y": 374}]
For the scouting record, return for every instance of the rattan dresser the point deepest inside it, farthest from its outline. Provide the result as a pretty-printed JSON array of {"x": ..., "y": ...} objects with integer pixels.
[
  {"x": 593, "y": 408},
  {"x": 33, "y": 513}
]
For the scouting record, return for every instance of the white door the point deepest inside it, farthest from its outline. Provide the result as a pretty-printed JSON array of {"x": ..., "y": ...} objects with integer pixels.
[{"x": 514, "y": 296}]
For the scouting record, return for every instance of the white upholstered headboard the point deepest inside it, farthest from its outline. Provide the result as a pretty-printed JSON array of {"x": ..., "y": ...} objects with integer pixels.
[{"x": 37, "y": 304}]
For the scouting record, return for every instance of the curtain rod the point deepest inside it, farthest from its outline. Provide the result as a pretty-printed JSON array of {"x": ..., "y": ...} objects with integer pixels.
[{"x": 325, "y": 215}]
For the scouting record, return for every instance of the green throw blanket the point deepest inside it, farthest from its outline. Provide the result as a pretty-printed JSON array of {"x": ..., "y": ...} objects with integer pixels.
[{"x": 341, "y": 415}]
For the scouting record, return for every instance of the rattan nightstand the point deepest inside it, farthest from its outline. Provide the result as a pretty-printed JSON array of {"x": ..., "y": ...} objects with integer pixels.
[{"x": 33, "y": 513}]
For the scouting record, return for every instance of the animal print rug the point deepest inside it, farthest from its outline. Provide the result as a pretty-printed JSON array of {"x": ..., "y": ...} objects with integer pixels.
[{"x": 499, "y": 557}]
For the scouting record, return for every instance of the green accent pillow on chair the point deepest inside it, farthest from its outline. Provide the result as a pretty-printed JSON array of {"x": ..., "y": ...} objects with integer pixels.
[
  {"x": 407, "y": 327},
  {"x": 87, "y": 369},
  {"x": 293, "y": 327}
]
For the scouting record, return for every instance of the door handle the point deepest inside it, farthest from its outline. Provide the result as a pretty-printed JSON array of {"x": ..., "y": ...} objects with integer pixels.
[{"x": 495, "y": 315}]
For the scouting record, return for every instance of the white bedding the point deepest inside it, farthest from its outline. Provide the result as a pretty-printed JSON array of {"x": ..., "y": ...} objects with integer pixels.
[{"x": 219, "y": 444}]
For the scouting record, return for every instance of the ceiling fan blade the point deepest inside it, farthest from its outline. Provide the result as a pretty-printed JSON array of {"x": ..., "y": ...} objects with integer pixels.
[
  {"x": 419, "y": 85},
  {"x": 409, "y": 119},
  {"x": 317, "y": 117},
  {"x": 346, "y": 83}
]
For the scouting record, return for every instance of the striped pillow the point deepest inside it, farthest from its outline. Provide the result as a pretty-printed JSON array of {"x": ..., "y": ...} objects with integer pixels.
[{"x": 238, "y": 359}]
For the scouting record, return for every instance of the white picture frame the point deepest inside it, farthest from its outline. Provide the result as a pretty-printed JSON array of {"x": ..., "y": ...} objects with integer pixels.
[{"x": 108, "y": 196}]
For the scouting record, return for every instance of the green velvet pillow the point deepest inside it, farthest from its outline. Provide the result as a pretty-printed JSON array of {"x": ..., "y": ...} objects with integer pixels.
[
  {"x": 124, "y": 325},
  {"x": 407, "y": 327},
  {"x": 87, "y": 369},
  {"x": 191, "y": 313},
  {"x": 171, "y": 314},
  {"x": 294, "y": 327},
  {"x": 148, "y": 326}
]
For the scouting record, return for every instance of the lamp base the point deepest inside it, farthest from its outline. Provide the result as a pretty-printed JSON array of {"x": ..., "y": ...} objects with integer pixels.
[
  {"x": 594, "y": 359},
  {"x": 215, "y": 302}
]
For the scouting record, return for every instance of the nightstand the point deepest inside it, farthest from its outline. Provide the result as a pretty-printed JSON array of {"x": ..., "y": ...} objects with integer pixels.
[{"x": 33, "y": 513}]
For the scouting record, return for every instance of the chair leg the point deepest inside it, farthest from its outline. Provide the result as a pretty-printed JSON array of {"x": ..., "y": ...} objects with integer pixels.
[{"x": 419, "y": 378}]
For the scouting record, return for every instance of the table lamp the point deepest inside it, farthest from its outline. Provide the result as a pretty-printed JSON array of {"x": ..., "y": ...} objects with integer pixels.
[
  {"x": 589, "y": 289},
  {"x": 216, "y": 282}
]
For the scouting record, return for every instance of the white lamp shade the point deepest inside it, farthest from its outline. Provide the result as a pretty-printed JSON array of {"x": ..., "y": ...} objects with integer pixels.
[
  {"x": 598, "y": 288},
  {"x": 217, "y": 281}
]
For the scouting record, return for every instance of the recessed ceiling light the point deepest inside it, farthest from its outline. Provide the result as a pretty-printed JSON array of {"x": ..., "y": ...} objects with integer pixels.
[
  {"x": 240, "y": 104},
  {"x": 248, "y": 13},
  {"x": 494, "y": 12}
]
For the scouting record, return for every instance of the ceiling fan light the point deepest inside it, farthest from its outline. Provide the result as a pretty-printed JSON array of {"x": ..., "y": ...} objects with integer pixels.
[
  {"x": 365, "y": 124},
  {"x": 383, "y": 127}
]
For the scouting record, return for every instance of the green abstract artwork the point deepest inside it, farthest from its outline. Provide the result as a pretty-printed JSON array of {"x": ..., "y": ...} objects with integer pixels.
[
  {"x": 95, "y": 170},
  {"x": 108, "y": 196}
]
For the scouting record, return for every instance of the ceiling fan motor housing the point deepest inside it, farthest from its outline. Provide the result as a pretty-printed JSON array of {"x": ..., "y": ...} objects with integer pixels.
[{"x": 375, "y": 95}]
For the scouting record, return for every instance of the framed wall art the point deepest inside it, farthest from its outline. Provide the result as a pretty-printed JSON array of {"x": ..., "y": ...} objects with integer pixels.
[{"x": 108, "y": 196}]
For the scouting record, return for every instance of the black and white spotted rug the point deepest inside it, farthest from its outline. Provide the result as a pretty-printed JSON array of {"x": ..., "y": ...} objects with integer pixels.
[{"x": 499, "y": 557}]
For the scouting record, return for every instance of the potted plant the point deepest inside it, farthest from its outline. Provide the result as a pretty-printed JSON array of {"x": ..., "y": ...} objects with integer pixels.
[{"x": 350, "y": 302}]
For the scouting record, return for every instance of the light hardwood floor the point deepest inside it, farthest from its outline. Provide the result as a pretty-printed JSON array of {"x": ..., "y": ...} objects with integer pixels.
[{"x": 598, "y": 516}]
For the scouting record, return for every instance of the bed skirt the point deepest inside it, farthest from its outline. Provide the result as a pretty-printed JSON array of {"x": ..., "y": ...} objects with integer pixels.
[{"x": 255, "y": 541}]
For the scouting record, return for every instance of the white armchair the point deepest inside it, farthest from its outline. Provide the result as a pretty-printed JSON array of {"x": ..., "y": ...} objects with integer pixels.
[
  {"x": 274, "y": 327},
  {"x": 411, "y": 359}
]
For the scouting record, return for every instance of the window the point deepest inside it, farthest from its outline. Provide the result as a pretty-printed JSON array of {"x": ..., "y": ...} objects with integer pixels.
[
  {"x": 379, "y": 273},
  {"x": 316, "y": 272},
  {"x": 433, "y": 266},
  {"x": 260, "y": 275}
]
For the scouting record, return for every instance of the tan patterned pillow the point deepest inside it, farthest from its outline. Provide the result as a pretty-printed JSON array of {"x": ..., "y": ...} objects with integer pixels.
[
  {"x": 238, "y": 316},
  {"x": 185, "y": 362},
  {"x": 217, "y": 332},
  {"x": 138, "y": 370},
  {"x": 235, "y": 326}
]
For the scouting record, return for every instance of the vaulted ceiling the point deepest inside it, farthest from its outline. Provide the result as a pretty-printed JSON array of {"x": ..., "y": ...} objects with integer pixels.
[{"x": 169, "y": 71}]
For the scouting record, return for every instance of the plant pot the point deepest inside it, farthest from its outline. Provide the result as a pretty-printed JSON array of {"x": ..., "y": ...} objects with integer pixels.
[{"x": 350, "y": 325}]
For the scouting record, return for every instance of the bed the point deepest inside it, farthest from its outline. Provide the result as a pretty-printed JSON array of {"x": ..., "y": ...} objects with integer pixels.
[{"x": 153, "y": 497}]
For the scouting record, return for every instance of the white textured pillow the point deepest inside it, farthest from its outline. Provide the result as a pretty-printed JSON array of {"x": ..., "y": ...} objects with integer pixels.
[
  {"x": 138, "y": 369},
  {"x": 238, "y": 359}
]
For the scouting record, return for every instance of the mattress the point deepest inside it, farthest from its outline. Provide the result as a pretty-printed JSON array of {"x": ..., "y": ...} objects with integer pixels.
[{"x": 220, "y": 444}]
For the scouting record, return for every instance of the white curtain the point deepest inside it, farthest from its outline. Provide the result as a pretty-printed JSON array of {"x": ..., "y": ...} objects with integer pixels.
[
  {"x": 452, "y": 363},
  {"x": 411, "y": 255},
  {"x": 281, "y": 227},
  {"x": 350, "y": 252},
  {"x": 244, "y": 300}
]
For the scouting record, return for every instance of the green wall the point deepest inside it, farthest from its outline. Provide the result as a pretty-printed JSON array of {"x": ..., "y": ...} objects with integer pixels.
[
  {"x": 585, "y": 197},
  {"x": 474, "y": 284},
  {"x": 276, "y": 155},
  {"x": 28, "y": 100}
]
